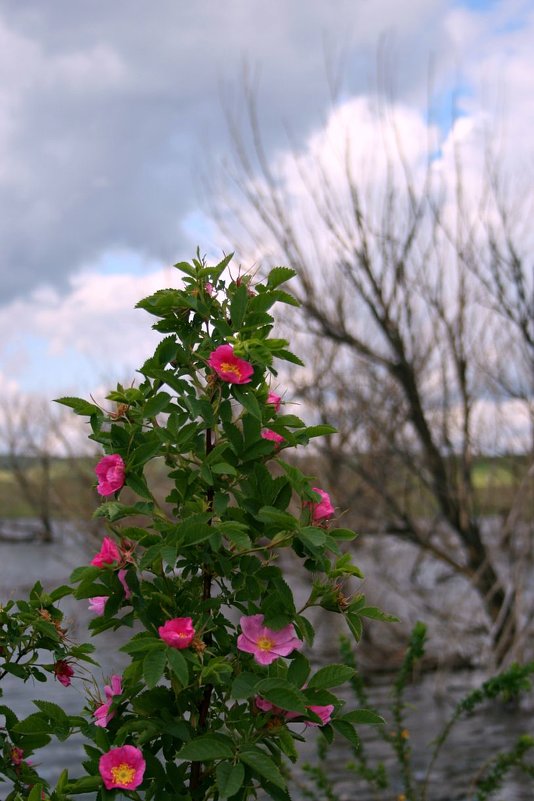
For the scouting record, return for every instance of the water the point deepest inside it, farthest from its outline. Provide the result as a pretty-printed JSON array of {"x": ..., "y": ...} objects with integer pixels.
[{"x": 494, "y": 728}]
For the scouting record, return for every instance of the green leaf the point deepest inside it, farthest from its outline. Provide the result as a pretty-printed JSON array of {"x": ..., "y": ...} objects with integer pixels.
[
  {"x": 287, "y": 356},
  {"x": 163, "y": 302},
  {"x": 87, "y": 784},
  {"x": 244, "y": 685},
  {"x": 346, "y": 730},
  {"x": 299, "y": 670},
  {"x": 192, "y": 535},
  {"x": 355, "y": 625},
  {"x": 319, "y": 431},
  {"x": 153, "y": 667},
  {"x": 306, "y": 629},
  {"x": 36, "y": 792},
  {"x": 178, "y": 665},
  {"x": 364, "y": 716},
  {"x": 139, "y": 486},
  {"x": 248, "y": 401},
  {"x": 331, "y": 676},
  {"x": 158, "y": 403},
  {"x": 311, "y": 535},
  {"x": 238, "y": 306},
  {"x": 223, "y": 469},
  {"x": 375, "y": 613},
  {"x": 54, "y": 712},
  {"x": 207, "y": 747},
  {"x": 282, "y": 694},
  {"x": 261, "y": 764},
  {"x": 80, "y": 406},
  {"x": 279, "y": 275},
  {"x": 229, "y": 778},
  {"x": 60, "y": 592},
  {"x": 35, "y": 723},
  {"x": 342, "y": 534},
  {"x": 143, "y": 453},
  {"x": 269, "y": 514}
]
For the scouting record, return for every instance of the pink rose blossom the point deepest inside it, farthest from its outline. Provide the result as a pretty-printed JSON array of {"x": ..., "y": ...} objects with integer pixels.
[
  {"x": 230, "y": 367},
  {"x": 265, "y": 644},
  {"x": 178, "y": 632},
  {"x": 108, "y": 554},
  {"x": 63, "y": 672},
  {"x": 102, "y": 713},
  {"x": 208, "y": 288},
  {"x": 98, "y": 604},
  {"x": 272, "y": 436},
  {"x": 122, "y": 767},
  {"x": 110, "y": 472},
  {"x": 323, "y": 712},
  {"x": 122, "y": 578},
  {"x": 16, "y": 755},
  {"x": 322, "y": 510},
  {"x": 275, "y": 400}
]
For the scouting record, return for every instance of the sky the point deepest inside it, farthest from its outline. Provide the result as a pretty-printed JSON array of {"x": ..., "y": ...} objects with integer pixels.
[{"x": 111, "y": 114}]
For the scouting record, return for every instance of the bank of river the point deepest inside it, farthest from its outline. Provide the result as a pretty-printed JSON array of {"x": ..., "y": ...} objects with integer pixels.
[{"x": 494, "y": 728}]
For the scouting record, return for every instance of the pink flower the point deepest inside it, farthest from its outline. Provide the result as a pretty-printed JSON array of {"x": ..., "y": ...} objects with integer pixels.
[
  {"x": 122, "y": 578},
  {"x": 275, "y": 400},
  {"x": 102, "y": 713},
  {"x": 122, "y": 767},
  {"x": 63, "y": 672},
  {"x": 208, "y": 288},
  {"x": 230, "y": 367},
  {"x": 16, "y": 755},
  {"x": 178, "y": 632},
  {"x": 110, "y": 472},
  {"x": 108, "y": 553},
  {"x": 324, "y": 712},
  {"x": 273, "y": 436},
  {"x": 98, "y": 604},
  {"x": 265, "y": 644},
  {"x": 322, "y": 510}
]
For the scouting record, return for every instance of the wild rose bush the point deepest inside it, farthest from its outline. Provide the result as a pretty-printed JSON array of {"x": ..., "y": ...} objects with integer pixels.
[{"x": 219, "y": 686}]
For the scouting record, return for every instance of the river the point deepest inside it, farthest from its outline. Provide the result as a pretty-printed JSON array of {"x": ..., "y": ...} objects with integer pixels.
[{"x": 492, "y": 729}]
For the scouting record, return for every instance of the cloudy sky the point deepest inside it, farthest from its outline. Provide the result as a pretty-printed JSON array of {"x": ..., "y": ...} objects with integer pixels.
[{"x": 111, "y": 113}]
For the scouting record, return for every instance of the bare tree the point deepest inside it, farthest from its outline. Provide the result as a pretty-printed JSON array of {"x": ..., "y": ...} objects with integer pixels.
[
  {"x": 45, "y": 459},
  {"x": 398, "y": 312}
]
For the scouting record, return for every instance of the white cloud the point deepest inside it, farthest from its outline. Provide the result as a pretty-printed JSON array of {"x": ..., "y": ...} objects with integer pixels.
[{"x": 90, "y": 332}]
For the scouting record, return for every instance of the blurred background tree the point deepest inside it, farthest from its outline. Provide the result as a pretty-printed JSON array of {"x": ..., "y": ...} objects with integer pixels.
[{"x": 417, "y": 316}]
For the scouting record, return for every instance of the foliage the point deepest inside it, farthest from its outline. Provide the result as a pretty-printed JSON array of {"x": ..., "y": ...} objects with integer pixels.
[
  {"x": 181, "y": 573},
  {"x": 508, "y": 685}
]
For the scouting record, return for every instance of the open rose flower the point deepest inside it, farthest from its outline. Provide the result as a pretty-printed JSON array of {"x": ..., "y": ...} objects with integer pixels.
[
  {"x": 110, "y": 472},
  {"x": 230, "y": 367},
  {"x": 272, "y": 436},
  {"x": 97, "y": 604},
  {"x": 16, "y": 755},
  {"x": 63, "y": 672},
  {"x": 108, "y": 553},
  {"x": 275, "y": 400},
  {"x": 122, "y": 768},
  {"x": 265, "y": 644},
  {"x": 178, "y": 632},
  {"x": 323, "y": 510},
  {"x": 323, "y": 712},
  {"x": 102, "y": 713}
]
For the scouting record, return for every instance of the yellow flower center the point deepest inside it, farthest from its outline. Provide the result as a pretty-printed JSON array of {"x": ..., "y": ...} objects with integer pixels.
[
  {"x": 226, "y": 367},
  {"x": 123, "y": 773},
  {"x": 265, "y": 644}
]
